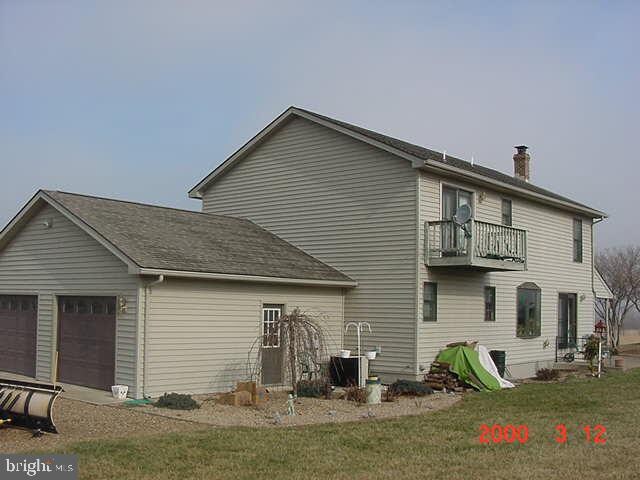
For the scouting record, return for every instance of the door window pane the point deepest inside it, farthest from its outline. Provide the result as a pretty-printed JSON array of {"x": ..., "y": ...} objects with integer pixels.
[
  {"x": 453, "y": 239},
  {"x": 270, "y": 326},
  {"x": 567, "y": 319}
]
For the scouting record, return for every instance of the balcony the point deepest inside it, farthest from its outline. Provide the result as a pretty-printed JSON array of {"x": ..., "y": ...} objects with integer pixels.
[{"x": 479, "y": 246}]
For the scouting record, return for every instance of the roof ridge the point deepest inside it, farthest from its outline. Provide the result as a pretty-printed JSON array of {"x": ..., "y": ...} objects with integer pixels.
[
  {"x": 141, "y": 204},
  {"x": 378, "y": 132},
  {"x": 426, "y": 153}
]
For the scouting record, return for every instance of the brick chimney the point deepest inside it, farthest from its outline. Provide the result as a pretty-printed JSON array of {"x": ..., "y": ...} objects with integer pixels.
[{"x": 521, "y": 160}]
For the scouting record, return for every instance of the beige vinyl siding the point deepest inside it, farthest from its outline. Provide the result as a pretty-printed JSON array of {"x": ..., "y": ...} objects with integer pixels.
[
  {"x": 600, "y": 287},
  {"x": 200, "y": 333},
  {"x": 550, "y": 265},
  {"x": 64, "y": 260},
  {"x": 350, "y": 205}
]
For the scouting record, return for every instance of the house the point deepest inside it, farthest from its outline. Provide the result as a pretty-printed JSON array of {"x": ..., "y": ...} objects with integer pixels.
[
  {"x": 109, "y": 292},
  {"x": 313, "y": 213},
  {"x": 381, "y": 211}
]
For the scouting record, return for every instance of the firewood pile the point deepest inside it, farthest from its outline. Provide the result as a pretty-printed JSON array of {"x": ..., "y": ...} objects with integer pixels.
[{"x": 440, "y": 378}]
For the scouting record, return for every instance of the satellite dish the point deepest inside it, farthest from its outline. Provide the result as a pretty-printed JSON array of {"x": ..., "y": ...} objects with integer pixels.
[{"x": 463, "y": 215}]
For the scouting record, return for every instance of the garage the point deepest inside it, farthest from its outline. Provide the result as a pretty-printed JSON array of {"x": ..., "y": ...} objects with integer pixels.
[
  {"x": 18, "y": 331},
  {"x": 87, "y": 341}
]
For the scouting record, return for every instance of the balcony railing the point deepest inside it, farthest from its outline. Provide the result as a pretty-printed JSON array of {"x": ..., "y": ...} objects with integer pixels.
[{"x": 478, "y": 244}]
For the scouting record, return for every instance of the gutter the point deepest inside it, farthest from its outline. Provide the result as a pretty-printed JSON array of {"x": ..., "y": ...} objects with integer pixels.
[
  {"x": 247, "y": 278},
  {"x": 147, "y": 293},
  {"x": 438, "y": 166}
]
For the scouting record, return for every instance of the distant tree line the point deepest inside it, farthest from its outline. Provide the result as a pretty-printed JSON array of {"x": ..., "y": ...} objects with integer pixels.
[{"x": 620, "y": 269}]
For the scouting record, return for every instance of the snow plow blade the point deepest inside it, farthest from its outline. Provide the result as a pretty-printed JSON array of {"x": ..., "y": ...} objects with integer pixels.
[{"x": 28, "y": 404}]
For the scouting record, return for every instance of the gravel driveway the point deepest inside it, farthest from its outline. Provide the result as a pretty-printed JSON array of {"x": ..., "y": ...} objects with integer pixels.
[{"x": 78, "y": 421}]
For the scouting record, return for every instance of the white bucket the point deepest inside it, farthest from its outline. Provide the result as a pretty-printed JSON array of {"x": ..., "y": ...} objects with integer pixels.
[
  {"x": 120, "y": 392},
  {"x": 371, "y": 355},
  {"x": 374, "y": 393},
  {"x": 345, "y": 353}
]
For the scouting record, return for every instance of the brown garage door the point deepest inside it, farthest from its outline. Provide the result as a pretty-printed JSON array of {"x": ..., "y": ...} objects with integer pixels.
[
  {"x": 18, "y": 327},
  {"x": 87, "y": 341}
]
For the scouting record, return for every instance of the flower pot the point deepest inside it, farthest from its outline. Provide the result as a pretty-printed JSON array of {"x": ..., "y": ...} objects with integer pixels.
[
  {"x": 345, "y": 353},
  {"x": 619, "y": 362},
  {"x": 120, "y": 392},
  {"x": 371, "y": 355}
]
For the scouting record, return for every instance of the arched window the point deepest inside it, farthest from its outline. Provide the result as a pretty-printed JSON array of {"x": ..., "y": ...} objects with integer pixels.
[{"x": 528, "y": 324}]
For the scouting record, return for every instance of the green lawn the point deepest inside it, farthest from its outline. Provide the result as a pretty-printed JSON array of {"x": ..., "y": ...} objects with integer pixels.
[{"x": 442, "y": 445}]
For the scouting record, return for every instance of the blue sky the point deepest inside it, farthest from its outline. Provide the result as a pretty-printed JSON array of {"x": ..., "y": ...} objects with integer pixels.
[{"x": 140, "y": 99}]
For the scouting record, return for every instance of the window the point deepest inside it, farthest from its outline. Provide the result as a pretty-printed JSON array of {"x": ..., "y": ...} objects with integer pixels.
[
  {"x": 270, "y": 331},
  {"x": 69, "y": 306},
  {"x": 430, "y": 302},
  {"x": 83, "y": 307},
  {"x": 577, "y": 240},
  {"x": 507, "y": 218},
  {"x": 97, "y": 308},
  {"x": 111, "y": 307},
  {"x": 528, "y": 324},
  {"x": 489, "y": 304}
]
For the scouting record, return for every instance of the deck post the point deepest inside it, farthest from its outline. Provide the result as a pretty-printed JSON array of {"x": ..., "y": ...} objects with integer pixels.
[
  {"x": 426, "y": 243},
  {"x": 471, "y": 241}
]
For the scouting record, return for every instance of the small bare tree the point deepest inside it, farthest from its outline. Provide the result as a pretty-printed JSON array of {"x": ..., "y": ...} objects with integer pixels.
[
  {"x": 620, "y": 269},
  {"x": 304, "y": 345}
]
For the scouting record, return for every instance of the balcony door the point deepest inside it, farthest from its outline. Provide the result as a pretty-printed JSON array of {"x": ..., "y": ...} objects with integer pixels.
[
  {"x": 567, "y": 320},
  {"x": 453, "y": 241}
]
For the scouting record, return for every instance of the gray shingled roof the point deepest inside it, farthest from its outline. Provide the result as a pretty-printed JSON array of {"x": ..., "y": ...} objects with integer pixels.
[
  {"x": 164, "y": 238},
  {"x": 427, "y": 154}
]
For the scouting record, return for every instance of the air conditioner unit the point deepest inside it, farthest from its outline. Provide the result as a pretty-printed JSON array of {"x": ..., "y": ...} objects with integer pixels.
[{"x": 348, "y": 371}]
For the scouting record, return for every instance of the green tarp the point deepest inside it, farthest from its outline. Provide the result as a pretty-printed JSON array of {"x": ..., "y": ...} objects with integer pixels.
[{"x": 465, "y": 362}]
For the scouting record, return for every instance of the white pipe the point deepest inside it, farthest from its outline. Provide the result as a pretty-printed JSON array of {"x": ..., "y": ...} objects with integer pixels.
[
  {"x": 599, "y": 355},
  {"x": 358, "y": 326},
  {"x": 147, "y": 293}
]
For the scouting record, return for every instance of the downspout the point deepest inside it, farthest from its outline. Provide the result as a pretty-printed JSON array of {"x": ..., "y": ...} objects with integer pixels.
[
  {"x": 593, "y": 289},
  {"x": 593, "y": 258},
  {"x": 593, "y": 269},
  {"x": 147, "y": 293}
]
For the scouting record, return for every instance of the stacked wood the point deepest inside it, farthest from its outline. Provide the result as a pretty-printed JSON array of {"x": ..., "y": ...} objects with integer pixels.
[{"x": 440, "y": 378}]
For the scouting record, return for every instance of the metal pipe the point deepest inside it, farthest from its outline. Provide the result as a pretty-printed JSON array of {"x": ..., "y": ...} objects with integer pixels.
[
  {"x": 145, "y": 354},
  {"x": 358, "y": 326}
]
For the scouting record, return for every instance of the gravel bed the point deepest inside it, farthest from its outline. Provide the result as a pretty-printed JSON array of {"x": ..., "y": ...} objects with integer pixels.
[
  {"x": 78, "y": 421},
  {"x": 308, "y": 410}
]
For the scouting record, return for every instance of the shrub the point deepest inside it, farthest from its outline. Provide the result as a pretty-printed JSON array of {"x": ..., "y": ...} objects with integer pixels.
[
  {"x": 389, "y": 395},
  {"x": 547, "y": 374},
  {"x": 177, "y": 401},
  {"x": 591, "y": 352},
  {"x": 357, "y": 394},
  {"x": 410, "y": 387},
  {"x": 314, "y": 388}
]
